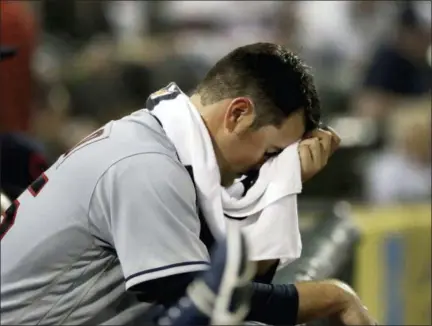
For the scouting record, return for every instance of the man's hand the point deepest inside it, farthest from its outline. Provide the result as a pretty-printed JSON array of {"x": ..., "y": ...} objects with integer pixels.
[
  {"x": 355, "y": 314},
  {"x": 315, "y": 150},
  {"x": 333, "y": 300},
  {"x": 353, "y": 311}
]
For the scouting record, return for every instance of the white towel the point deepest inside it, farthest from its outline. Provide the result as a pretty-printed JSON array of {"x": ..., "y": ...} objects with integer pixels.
[{"x": 268, "y": 211}]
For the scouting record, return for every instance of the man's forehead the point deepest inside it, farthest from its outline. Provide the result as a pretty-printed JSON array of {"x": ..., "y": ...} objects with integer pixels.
[{"x": 290, "y": 131}]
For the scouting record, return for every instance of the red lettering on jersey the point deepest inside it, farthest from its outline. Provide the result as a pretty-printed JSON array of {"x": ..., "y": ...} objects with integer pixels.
[{"x": 8, "y": 217}]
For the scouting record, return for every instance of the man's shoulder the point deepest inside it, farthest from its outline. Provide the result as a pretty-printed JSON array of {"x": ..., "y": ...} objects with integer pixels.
[
  {"x": 138, "y": 134},
  {"x": 142, "y": 132},
  {"x": 139, "y": 144}
]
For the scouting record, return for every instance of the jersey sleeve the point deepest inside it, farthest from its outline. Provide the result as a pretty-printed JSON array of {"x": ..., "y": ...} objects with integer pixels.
[{"x": 149, "y": 206}]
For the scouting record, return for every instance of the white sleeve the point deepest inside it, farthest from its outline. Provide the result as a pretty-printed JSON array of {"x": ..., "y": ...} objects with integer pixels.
[{"x": 151, "y": 217}]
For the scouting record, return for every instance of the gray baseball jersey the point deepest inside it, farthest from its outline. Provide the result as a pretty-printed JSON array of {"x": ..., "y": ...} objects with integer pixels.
[{"x": 117, "y": 210}]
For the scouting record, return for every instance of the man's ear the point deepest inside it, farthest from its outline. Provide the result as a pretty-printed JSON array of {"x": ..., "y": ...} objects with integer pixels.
[{"x": 239, "y": 115}]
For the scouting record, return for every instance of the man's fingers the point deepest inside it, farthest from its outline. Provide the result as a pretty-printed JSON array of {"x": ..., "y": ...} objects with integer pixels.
[
  {"x": 326, "y": 143},
  {"x": 335, "y": 135},
  {"x": 336, "y": 140},
  {"x": 306, "y": 160},
  {"x": 305, "y": 154},
  {"x": 326, "y": 134},
  {"x": 316, "y": 152},
  {"x": 313, "y": 146}
]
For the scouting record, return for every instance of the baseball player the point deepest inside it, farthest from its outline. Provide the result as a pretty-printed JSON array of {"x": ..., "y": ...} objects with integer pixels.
[
  {"x": 115, "y": 222},
  {"x": 22, "y": 160}
]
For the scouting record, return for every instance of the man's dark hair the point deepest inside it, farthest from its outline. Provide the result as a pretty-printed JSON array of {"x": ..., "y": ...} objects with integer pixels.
[{"x": 277, "y": 81}]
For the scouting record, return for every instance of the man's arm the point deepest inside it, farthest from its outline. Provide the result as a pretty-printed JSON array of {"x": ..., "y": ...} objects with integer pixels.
[
  {"x": 306, "y": 301},
  {"x": 284, "y": 304}
]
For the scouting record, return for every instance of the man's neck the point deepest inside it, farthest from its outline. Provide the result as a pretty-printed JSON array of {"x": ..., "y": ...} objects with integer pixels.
[{"x": 195, "y": 98}]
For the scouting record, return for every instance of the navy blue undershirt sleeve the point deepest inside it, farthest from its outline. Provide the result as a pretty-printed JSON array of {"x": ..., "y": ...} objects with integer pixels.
[
  {"x": 270, "y": 304},
  {"x": 274, "y": 304}
]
